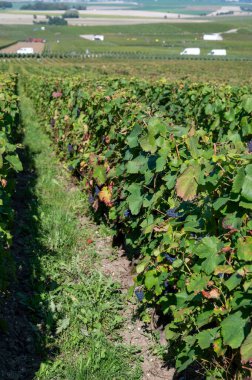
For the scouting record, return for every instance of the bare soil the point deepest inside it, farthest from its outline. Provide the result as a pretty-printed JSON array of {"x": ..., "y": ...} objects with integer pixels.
[
  {"x": 135, "y": 332},
  {"x": 38, "y": 47},
  {"x": 18, "y": 19},
  {"x": 92, "y": 21}
]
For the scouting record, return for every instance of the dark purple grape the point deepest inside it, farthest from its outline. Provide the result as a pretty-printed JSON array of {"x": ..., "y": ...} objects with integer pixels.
[
  {"x": 70, "y": 148},
  {"x": 250, "y": 146},
  {"x": 52, "y": 122},
  {"x": 172, "y": 213},
  {"x": 169, "y": 258},
  {"x": 127, "y": 213},
  {"x": 139, "y": 295},
  {"x": 91, "y": 199},
  {"x": 70, "y": 168},
  {"x": 97, "y": 190},
  {"x": 166, "y": 284},
  {"x": 214, "y": 171}
]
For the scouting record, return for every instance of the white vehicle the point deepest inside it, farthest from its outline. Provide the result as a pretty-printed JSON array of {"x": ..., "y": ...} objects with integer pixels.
[
  {"x": 218, "y": 52},
  {"x": 25, "y": 50},
  {"x": 98, "y": 37},
  {"x": 191, "y": 51},
  {"x": 212, "y": 37}
]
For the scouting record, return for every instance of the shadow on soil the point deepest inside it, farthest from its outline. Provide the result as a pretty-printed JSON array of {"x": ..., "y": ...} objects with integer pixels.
[{"x": 23, "y": 316}]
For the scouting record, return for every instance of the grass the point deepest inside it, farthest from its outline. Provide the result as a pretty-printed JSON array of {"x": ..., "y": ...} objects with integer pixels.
[
  {"x": 79, "y": 308},
  {"x": 150, "y": 40}
]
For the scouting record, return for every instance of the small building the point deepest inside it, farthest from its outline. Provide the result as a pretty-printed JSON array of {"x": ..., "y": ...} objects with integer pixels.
[{"x": 212, "y": 37}]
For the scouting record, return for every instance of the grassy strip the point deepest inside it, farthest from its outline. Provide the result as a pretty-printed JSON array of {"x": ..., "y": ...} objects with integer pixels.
[{"x": 80, "y": 308}]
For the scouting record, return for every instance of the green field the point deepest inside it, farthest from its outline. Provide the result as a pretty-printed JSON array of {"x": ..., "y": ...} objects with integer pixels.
[{"x": 153, "y": 39}]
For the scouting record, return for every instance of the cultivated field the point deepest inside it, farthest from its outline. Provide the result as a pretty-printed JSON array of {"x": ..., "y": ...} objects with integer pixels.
[
  {"x": 158, "y": 40},
  {"x": 38, "y": 47},
  {"x": 18, "y": 19}
]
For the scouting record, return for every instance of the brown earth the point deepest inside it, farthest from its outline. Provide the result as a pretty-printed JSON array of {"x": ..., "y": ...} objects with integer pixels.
[
  {"x": 135, "y": 332},
  {"x": 38, "y": 47}
]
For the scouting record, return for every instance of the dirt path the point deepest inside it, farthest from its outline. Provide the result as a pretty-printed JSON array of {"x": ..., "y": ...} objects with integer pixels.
[
  {"x": 135, "y": 332},
  {"x": 38, "y": 47}
]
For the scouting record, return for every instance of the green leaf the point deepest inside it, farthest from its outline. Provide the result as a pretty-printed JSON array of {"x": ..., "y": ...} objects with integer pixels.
[
  {"x": 63, "y": 324},
  {"x": 170, "y": 181},
  {"x": 169, "y": 333},
  {"x": 219, "y": 348},
  {"x": 209, "y": 109},
  {"x": 197, "y": 282},
  {"x": 209, "y": 248},
  {"x": 204, "y": 318},
  {"x": 246, "y": 205},
  {"x": 231, "y": 222},
  {"x": 244, "y": 248},
  {"x": 150, "y": 279},
  {"x": 143, "y": 264},
  {"x": 187, "y": 182},
  {"x": 230, "y": 115},
  {"x": 15, "y": 162},
  {"x": 185, "y": 358},
  {"x": 138, "y": 165},
  {"x": 246, "y": 348},
  {"x": 99, "y": 174},
  {"x": 238, "y": 180},
  {"x": 247, "y": 104},
  {"x": 160, "y": 164},
  {"x": 132, "y": 139},
  {"x": 183, "y": 298},
  {"x": 233, "y": 281},
  {"x": 156, "y": 126},
  {"x": 228, "y": 269},
  {"x": 232, "y": 329},
  {"x": 192, "y": 146},
  {"x": 135, "y": 199},
  {"x": 206, "y": 338},
  {"x": 219, "y": 203},
  {"x": 148, "y": 143},
  {"x": 177, "y": 263},
  {"x": 247, "y": 184}
]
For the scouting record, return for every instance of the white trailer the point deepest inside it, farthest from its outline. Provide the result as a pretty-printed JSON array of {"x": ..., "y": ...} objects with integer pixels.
[
  {"x": 212, "y": 37},
  {"x": 218, "y": 52},
  {"x": 98, "y": 37},
  {"x": 191, "y": 51},
  {"x": 25, "y": 50}
]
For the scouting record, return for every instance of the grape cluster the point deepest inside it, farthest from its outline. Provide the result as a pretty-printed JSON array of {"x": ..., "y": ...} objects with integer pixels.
[
  {"x": 97, "y": 190},
  {"x": 166, "y": 285},
  {"x": 127, "y": 213},
  {"x": 52, "y": 122},
  {"x": 250, "y": 146},
  {"x": 70, "y": 148},
  {"x": 172, "y": 213},
  {"x": 169, "y": 258},
  {"x": 139, "y": 295},
  {"x": 91, "y": 199}
]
